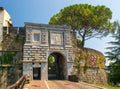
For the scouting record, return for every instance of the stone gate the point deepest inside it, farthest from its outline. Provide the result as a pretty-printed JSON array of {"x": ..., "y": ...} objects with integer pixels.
[{"x": 41, "y": 41}]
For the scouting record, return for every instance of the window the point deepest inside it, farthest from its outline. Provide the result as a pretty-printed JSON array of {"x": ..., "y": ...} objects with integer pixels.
[{"x": 36, "y": 37}]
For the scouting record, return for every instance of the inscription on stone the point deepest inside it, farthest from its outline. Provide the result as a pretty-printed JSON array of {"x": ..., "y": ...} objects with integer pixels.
[{"x": 56, "y": 39}]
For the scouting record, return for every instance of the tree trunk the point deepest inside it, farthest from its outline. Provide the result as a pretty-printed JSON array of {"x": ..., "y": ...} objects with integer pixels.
[
  {"x": 83, "y": 42},
  {"x": 83, "y": 38}
]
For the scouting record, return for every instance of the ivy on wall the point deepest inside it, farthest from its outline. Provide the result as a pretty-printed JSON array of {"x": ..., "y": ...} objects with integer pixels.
[
  {"x": 6, "y": 58},
  {"x": 84, "y": 58}
]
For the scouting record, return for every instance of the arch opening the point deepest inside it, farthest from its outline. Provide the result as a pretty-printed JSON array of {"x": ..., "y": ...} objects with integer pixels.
[{"x": 57, "y": 67}]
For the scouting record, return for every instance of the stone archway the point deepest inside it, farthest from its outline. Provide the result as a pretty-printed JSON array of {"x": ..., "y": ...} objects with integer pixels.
[
  {"x": 57, "y": 70},
  {"x": 43, "y": 40}
]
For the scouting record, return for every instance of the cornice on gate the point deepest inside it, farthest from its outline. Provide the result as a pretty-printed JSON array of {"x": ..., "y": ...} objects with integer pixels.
[{"x": 58, "y": 27}]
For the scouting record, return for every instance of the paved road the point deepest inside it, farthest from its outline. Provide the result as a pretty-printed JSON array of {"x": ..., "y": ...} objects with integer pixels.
[{"x": 58, "y": 84}]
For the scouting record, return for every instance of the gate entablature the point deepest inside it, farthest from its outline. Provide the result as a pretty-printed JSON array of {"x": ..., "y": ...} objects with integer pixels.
[{"x": 50, "y": 35}]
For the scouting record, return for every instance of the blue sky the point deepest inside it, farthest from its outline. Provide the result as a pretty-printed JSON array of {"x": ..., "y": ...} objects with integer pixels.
[{"x": 40, "y": 11}]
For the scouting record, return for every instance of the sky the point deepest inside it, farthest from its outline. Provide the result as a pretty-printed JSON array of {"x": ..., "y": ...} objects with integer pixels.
[{"x": 40, "y": 11}]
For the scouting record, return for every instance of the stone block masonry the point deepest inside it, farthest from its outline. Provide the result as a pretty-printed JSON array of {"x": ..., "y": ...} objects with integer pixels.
[{"x": 32, "y": 54}]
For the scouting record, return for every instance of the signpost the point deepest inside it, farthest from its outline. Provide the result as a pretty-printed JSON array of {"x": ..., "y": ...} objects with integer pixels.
[
  {"x": 92, "y": 63},
  {"x": 92, "y": 60}
]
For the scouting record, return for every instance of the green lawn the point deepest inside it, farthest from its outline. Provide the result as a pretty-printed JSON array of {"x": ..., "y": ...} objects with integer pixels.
[{"x": 109, "y": 87}]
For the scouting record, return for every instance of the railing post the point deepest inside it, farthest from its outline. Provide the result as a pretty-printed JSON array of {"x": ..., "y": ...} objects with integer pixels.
[{"x": 19, "y": 84}]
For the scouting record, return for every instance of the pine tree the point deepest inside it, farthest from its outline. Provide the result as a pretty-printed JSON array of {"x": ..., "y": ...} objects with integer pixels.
[
  {"x": 89, "y": 21},
  {"x": 114, "y": 55}
]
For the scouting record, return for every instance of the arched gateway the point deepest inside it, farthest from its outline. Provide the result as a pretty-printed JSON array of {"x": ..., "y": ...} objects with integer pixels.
[
  {"x": 58, "y": 68},
  {"x": 42, "y": 41}
]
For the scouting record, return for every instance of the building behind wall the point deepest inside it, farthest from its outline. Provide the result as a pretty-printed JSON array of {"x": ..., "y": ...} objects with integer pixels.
[{"x": 5, "y": 21}]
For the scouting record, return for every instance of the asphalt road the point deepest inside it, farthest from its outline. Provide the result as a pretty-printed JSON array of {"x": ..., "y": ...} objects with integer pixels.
[{"x": 58, "y": 84}]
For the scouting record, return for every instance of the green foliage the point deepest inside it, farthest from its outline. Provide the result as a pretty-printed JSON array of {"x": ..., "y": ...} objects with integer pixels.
[
  {"x": 1, "y": 44},
  {"x": 51, "y": 59},
  {"x": 114, "y": 55},
  {"x": 85, "y": 54},
  {"x": 114, "y": 76},
  {"x": 108, "y": 86},
  {"x": 7, "y": 58},
  {"x": 17, "y": 38},
  {"x": 77, "y": 64},
  {"x": 79, "y": 42},
  {"x": 90, "y": 21},
  {"x": 82, "y": 60},
  {"x": 27, "y": 81}
]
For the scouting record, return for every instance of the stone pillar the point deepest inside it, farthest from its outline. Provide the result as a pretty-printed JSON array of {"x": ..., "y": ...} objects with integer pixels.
[
  {"x": 28, "y": 69},
  {"x": 69, "y": 68},
  {"x": 44, "y": 71}
]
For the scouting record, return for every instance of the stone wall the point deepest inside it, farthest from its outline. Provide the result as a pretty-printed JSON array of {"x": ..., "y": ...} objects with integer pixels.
[
  {"x": 35, "y": 52},
  {"x": 91, "y": 73},
  {"x": 11, "y": 45}
]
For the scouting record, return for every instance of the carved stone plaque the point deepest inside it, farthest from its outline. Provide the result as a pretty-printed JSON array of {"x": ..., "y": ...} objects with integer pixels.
[{"x": 56, "y": 39}]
